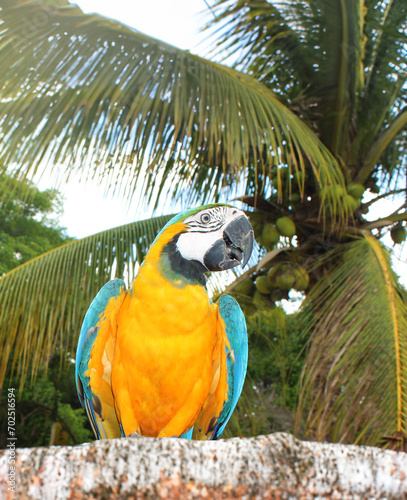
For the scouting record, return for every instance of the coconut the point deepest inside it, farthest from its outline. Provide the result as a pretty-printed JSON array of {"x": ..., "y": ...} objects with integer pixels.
[
  {"x": 271, "y": 275},
  {"x": 332, "y": 191},
  {"x": 274, "y": 271},
  {"x": 398, "y": 234},
  {"x": 278, "y": 318},
  {"x": 260, "y": 300},
  {"x": 286, "y": 227},
  {"x": 301, "y": 279},
  {"x": 356, "y": 190},
  {"x": 285, "y": 281},
  {"x": 263, "y": 284},
  {"x": 269, "y": 235},
  {"x": 245, "y": 287},
  {"x": 350, "y": 202},
  {"x": 257, "y": 226}
]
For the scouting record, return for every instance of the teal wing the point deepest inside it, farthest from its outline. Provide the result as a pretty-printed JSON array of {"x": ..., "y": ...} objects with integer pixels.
[
  {"x": 87, "y": 337},
  {"x": 236, "y": 358}
]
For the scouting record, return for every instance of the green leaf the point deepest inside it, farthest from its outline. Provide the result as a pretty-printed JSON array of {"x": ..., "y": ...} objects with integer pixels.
[
  {"x": 339, "y": 64},
  {"x": 264, "y": 41},
  {"x": 309, "y": 51},
  {"x": 383, "y": 99},
  {"x": 354, "y": 383}
]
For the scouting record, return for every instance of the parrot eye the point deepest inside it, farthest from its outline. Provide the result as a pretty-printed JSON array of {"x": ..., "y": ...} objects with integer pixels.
[{"x": 205, "y": 218}]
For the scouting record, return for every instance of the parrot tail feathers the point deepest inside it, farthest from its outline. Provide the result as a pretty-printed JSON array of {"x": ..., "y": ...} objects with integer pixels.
[{"x": 187, "y": 434}]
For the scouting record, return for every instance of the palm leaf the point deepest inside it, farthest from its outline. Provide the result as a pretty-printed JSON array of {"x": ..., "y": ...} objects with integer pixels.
[
  {"x": 385, "y": 58},
  {"x": 383, "y": 100},
  {"x": 341, "y": 65},
  {"x": 262, "y": 37},
  {"x": 305, "y": 49},
  {"x": 82, "y": 90},
  {"x": 354, "y": 384},
  {"x": 44, "y": 300},
  {"x": 341, "y": 75}
]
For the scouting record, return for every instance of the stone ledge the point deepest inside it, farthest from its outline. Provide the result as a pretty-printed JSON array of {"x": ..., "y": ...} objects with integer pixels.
[{"x": 274, "y": 466}]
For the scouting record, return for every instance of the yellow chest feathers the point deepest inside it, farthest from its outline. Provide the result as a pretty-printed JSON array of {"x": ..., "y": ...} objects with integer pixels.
[{"x": 168, "y": 347}]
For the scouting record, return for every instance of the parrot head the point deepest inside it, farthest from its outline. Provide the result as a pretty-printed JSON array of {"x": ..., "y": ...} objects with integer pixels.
[{"x": 212, "y": 238}]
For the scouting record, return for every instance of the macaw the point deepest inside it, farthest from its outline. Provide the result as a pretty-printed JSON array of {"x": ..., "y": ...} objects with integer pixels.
[{"x": 161, "y": 359}]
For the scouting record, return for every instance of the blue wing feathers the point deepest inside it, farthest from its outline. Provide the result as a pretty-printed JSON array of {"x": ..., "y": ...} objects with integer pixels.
[
  {"x": 236, "y": 333},
  {"x": 88, "y": 335}
]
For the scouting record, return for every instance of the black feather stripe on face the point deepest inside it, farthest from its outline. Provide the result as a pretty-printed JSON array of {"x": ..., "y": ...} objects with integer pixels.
[{"x": 210, "y": 220}]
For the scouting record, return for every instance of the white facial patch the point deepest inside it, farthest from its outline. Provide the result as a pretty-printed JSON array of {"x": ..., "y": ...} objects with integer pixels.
[
  {"x": 194, "y": 245},
  {"x": 204, "y": 229}
]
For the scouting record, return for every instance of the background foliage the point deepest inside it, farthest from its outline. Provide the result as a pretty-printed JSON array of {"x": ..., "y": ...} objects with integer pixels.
[
  {"x": 26, "y": 228},
  {"x": 48, "y": 410}
]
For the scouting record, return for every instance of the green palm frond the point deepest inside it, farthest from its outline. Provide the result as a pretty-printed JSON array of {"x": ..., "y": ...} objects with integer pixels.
[
  {"x": 80, "y": 90},
  {"x": 354, "y": 386},
  {"x": 341, "y": 75},
  {"x": 260, "y": 35},
  {"x": 308, "y": 50},
  {"x": 44, "y": 300},
  {"x": 383, "y": 100},
  {"x": 388, "y": 149},
  {"x": 385, "y": 58},
  {"x": 340, "y": 65}
]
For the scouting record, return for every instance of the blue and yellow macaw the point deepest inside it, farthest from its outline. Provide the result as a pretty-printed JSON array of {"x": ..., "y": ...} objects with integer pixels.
[{"x": 161, "y": 359}]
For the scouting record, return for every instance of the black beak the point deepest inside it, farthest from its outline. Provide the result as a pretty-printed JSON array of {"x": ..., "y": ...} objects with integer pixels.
[{"x": 235, "y": 248}]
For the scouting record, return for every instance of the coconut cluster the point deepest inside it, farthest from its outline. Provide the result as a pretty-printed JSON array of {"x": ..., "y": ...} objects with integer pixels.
[
  {"x": 261, "y": 290},
  {"x": 351, "y": 196},
  {"x": 268, "y": 234}
]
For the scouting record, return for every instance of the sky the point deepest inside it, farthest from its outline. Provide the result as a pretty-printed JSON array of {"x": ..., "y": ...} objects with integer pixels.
[{"x": 177, "y": 22}]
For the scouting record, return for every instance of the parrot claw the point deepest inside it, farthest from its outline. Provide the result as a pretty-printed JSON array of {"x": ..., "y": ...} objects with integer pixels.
[{"x": 135, "y": 435}]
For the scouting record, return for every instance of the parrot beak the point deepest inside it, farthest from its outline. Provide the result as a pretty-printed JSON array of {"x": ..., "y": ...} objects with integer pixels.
[
  {"x": 239, "y": 238},
  {"x": 235, "y": 248}
]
